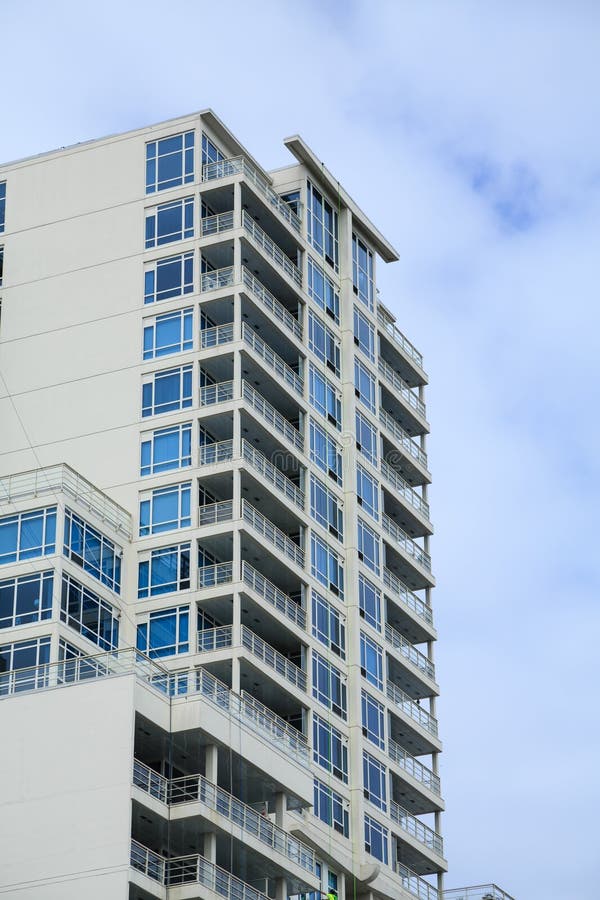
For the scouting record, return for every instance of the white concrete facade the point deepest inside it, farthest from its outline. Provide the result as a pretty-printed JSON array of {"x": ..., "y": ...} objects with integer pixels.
[{"x": 226, "y": 431}]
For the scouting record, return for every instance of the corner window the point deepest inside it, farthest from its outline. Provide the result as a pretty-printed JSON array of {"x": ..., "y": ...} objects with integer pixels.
[
  {"x": 95, "y": 553},
  {"x": 24, "y": 655},
  {"x": 170, "y": 222},
  {"x": 26, "y": 599},
  {"x": 330, "y": 748},
  {"x": 328, "y": 625},
  {"x": 325, "y": 398},
  {"x": 371, "y": 661},
  {"x": 88, "y": 614},
  {"x": 362, "y": 272},
  {"x": 27, "y": 535},
  {"x": 369, "y": 600},
  {"x": 169, "y": 162},
  {"x": 325, "y": 452},
  {"x": 168, "y": 333},
  {"x": 166, "y": 449},
  {"x": 164, "y": 570},
  {"x": 170, "y": 277},
  {"x": 331, "y": 808},
  {"x": 165, "y": 633},
  {"x": 167, "y": 391},
  {"x": 374, "y": 781},
  {"x": 367, "y": 492},
  {"x": 366, "y": 439},
  {"x": 376, "y": 840},
  {"x": 329, "y": 685},
  {"x": 326, "y": 565},
  {"x": 364, "y": 334},
  {"x": 323, "y": 343},
  {"x": 364, "y": 385},
  {"x": 322, "y": 290},
  {"x": 210, "y": 152},
  {"x": 368, "y": 547},
  {"x": 322, "y": 225},
  {"x": 373, "y": 720},
  {"x": 326, "y": 508},
  {"x": 165, "y": 509}
]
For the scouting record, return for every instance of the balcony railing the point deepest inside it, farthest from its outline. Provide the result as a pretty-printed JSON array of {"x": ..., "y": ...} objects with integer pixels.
[
  {"x": 218, "y": 452},
  {"x": 417, "y": 829},
  {"x": 262, "y": 240},
  {"x": 151, "y": 782},
  {"x": 272, "y": 359},
  {"x": 403, "y": 488},
  {"x": 221, "y": 392},
  {"x": 238, "y": 164},
  {"x": 410, "y": 653},
  {"x": 215, "y": 638},
  {"x": 271, "y": 473},
  {"x": 220, "y": 573},
  {"x": 403, "y": 438},
  {"x": 273, "y": 595},
  {"x": 410, "y": 547},
  {"x": 477, "y": 892},
  {"x": 273, "y": 658},
  {"x": 213, "y": 513},
  {"x": 416, "y": 885},
  {"x": 272, "y": 533},
  {"x": 62, "y": 478},
  {"x": 217, "y": 278},
  {"x": 411, "y": 709},
  {"x": 216, "y": 224},
  {"x": 271, "y": 303},
  {"x": 414, "y": 768},
  {"x": 293, "y": 741},
  {"x": 393, "y": 379},
  {"x": 399, "y": 339},
  {"x": 147, "y": 862},
  {"x": 214, "y": 337},
  {"x": 271, "y": 415},
  {"x": 406, "y": 597},
  {"x": 198, "y": 870}
]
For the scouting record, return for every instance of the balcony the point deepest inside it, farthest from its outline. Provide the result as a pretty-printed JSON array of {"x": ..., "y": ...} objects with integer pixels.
[
  {"x": 150, "y": 864},
  {"x": 239, "y": 165},
  {"x": 417, "y": 829},
  {"x": 411, "y": 709},
  {"x": 407, "y": 598},
  {"x": 273, "y": 659},
  {"x": 414, "y": 884},
  {"x": 409, "y": 547},
  {"x": 272, "y": 360},
  {"x": 406, "y": 492},
  {"x": 222, "y": 392},
  {"x": 277, "y": 309},
  {"x": 272, "y": 474},
  {"x": 414, "y": 768},
  {"x": 216, "y": 336},
  {"x": 218, "y": 452},
  {"x": 272, "y": 534},
  {"x": 402, "y": 439},
  {"x": 477, "y": 892},
  {"x": 215, "y": 638},
  {"x": 400, "y": 388},
  {"x": 273, "y": 595},
  {"x": 217, "y": 279},
  {"x": 196, "y": 788},
  {"x": 211, "y": 225},
  {"x": 211, "y": 576},
  {"x": 261, "y": 239},
  {"x": 215, "y": 513},
  {"x": 271, "y": 415},
  {"x": 410, "y": 653},
  {"x": 401, "y": 342}
]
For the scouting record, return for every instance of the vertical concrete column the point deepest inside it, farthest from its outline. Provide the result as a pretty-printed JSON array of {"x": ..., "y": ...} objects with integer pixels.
[
  {"x": 341, "y": 886},
  {"x": 237, "y": 223},
  {"x": 280, "y": 808},
  {"x": 211, "y": 765},
  {"x": 210, "y": 846},
  {"x": 281, "y": 891}
]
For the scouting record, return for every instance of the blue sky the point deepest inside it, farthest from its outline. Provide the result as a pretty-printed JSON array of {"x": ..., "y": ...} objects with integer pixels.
[{"x": 469, "y": 132}]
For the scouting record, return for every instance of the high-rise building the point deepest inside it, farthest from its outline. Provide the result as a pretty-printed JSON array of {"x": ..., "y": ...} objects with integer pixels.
[{"x": 216, "y": 635}]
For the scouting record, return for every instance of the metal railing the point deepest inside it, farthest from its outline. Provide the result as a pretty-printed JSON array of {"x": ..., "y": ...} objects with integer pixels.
[
  {"x": 151, "y": 782},
  {"x": 220, "y": 573},
  {"x": 408, "y": 706},
  {"x": 265, "y": 296},
  {"x": 272, "y": 359},
  {"x": 62, "y": 478},
  {"x": 216, "y": 224},
  {"x": 221, "y": 392},
  {"x": 477, "y": 892},
  {"x": 198, "y": 870},
  {"x": 262, "y": 240},
  {"x": 272, "y": 533},
  {"x": 414, "y": 768},
  {"x": 403, "y": 488},
  {"x": 147, "y": 862},
  {"x": 399, "y": 339},
  {"x": 406, "y": 543},
  {"x": 271, "y": 473},
  {"x": 403, "y": 438},
  {"x": 215, "y": 638},
  {"x": 413, "y": 826},
  {"x": 238, "y": 164},
  {"x": 401, "y": 386},
  {"x": 414, "y": 884},
  {"x": 406, "y": 597},
  {"x": 273, "y": 658},
  {"x": 215, "y": 336},
  {"x": 292, "y": 740},
  {"x": 273, "y": 595},
  {"x": 219, "y": 451},
  {"x": 217, "y": 278},
  {"x": 410, "y": 653},
  {"x": 213, "y": 513},
  {"x": 271, "y": 415}
]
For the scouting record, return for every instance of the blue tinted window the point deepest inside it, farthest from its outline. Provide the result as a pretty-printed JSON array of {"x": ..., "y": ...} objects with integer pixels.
[
  {"x": 169, "y": 277},
  {"x": 167, "y": 391},
  {"x": 27, "y": 535},
  {"x": 326, "y": 508},
  {"x": 91, "y": 550},
  {"x": 323, "y": 291},
  {"x": 326, "y": 566},
  {"x": 369, "y": 600},
  {"x": 374, "y": 781},
  {"x": 376, "y": 839},
  {"x": 323, "y": 343},
  {"x": 325, "y": 452},
  {"x": 169, "y": 162},
  {"x": 170, "y": 222},
  {"x": 371, "y": 661},
  {"x": 329, "y": 685},
  {"x": 166, "y": 449},
  {"x": 328, "y": 625},
  {"x": 366, "y": 438},
  {"x": 362, "y": 272},
  {"x": 331, "y": 808},
  {"x": 2, "y": 205},
  {"x": 322, "y": 225},
  {"x": 330, "y": 748},
  {"x": 90, "y": 615},
  {"x": 364, "y": 384},
  {"x": 373, "y": 720},
  {"x": 26, "y": 599},
  {"x": 24, "y": 655},
  {"x": 368, "y": 546},
  {"x": 165, "y": 509},
  {"x": 169, "y": 333},
  {"x": 210, "y": 153},
  {"x": 364, "y": 334},
  {"x": 166, "y": 570},
  {"x": 165, "y": 633},
  {"x": 367, "y": 490},
  {"x": 325, "y": 398}
]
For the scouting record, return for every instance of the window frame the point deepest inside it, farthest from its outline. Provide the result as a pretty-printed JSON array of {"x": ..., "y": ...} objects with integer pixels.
[
  {"x": 335, "y": 698},
  {"x": 149, "y": 500},
  {"x": 334, "y": 638},
  {"x": 364, "y": 532},
  {"x": 44, "y": 518},
  {"x": 369, "y": 504},
  {"x": 332, "y": 520},
  {"x": 111, "y": 576},
  {"x": 330, "y": 748},
  {"x": 87, "y": 600},
  {"x": 154, "y": 184},
  {"x": 362, "y": 378},
  {"x": 332, "y": 451},
  {"x": 45, "y": 586},
  {"x": 181, "y": 632},
  {"x": 184, "y": 400},
  {"x": 148, "y": 586},
  {"x": 156, "y": 236},
  {"x": 331, "y": 405},
  {"x": 153, "y": 325},
  {"x": 335, "y": 565},
  {"x": 156, "y": 271},
  {"x": 370, "y": 709},
  {"x": 371, "y": 652},
  {"x": 331, "y": 808}
]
